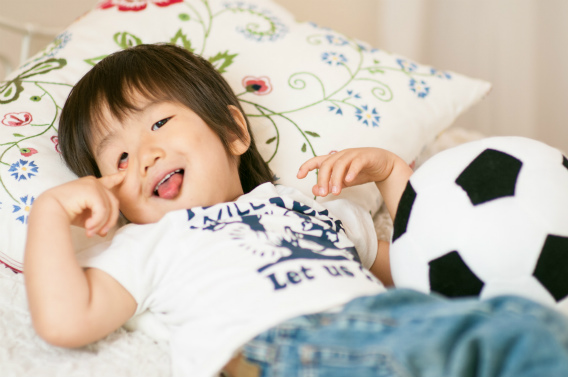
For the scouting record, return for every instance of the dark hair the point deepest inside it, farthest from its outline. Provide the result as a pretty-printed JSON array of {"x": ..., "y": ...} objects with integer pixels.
[{"x": 158, "y": 72}]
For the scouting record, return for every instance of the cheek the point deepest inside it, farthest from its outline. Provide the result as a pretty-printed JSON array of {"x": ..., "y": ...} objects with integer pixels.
[
  {"x": 126, "y": 208},
  {"x": 127, "y": 198}
]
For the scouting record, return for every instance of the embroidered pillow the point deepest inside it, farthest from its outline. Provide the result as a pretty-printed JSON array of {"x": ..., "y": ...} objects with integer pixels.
[{"x": 307, "y": 91}]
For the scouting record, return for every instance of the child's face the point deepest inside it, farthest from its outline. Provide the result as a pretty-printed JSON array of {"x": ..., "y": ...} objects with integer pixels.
[{"x": 172, "y": 159}]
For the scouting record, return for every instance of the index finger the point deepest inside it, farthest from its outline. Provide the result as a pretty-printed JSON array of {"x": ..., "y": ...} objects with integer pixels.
[
  {"x": 311, "y": 164},
  {"x": 113, "y": 180}
]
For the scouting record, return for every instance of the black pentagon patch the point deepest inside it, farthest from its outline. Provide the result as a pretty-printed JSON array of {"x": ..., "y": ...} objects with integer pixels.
[
  {"x": 552, "y": 266},
  {"x": 450, "y": 276},
  {"x": 565, "y": 161},
  {"x": 403, "y": 211},
  {"x": 492, "y": 175}
]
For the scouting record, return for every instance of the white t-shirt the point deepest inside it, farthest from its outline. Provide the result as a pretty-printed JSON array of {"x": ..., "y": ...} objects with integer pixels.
[{"x": 218, "y": 276}]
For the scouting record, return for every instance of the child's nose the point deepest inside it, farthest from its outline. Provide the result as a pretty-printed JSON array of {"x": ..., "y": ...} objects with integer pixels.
[{"x": 149, "y": 156}]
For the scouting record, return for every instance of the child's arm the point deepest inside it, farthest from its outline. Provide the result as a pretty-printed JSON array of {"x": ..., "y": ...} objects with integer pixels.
[
  {"x": 70, "y": 306},
  {"x": 352, "y": 167}
]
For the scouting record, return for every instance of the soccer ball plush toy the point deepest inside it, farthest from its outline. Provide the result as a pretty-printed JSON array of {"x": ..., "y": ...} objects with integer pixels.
[{"x": 486, "y": 218}]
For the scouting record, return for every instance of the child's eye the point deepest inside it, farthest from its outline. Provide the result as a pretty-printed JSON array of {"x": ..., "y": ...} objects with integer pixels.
[
  {"x": 123, "y": 161},
  {"x": 159, "y": 124}
]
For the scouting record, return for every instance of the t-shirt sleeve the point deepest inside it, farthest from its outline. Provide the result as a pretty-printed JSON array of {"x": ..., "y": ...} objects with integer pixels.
[
  {"x": 359, "y": 228},
  {"x": 122, "y": 258}
]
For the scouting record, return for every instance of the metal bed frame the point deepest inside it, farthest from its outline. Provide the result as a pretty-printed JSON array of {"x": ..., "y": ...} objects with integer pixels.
[{"x": 26, "y": 32}]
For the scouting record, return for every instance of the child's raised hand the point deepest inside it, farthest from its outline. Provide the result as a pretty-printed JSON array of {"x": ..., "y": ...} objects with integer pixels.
[
  {"x": 349, "y": 167},
  {"x": 89, "y": 202}
]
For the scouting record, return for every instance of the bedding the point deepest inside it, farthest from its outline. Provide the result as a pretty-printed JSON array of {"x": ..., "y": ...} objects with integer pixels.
[
  {"x": 123, "y": 353},
  {"x": 307, "y": 91}
]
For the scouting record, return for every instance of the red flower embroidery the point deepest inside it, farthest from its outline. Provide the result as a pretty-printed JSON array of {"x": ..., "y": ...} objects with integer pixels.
[
  {"x": 135, "y": 5},
  {"x": 257, "y": 85},
  {"x": 27, "y": 152},
  {"x": 17, "y": 119},
  {"x": 413, "y": 165},
  {"x": 55, "y": 140}
]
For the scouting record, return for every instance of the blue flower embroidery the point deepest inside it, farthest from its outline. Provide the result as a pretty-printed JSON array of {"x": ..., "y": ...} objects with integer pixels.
[
  {"x": 335, "y": 40},
  {"x": 440, "y": 74},
  {"x": 333, "y": 58},
  {"x": 58, "y": 44},
  {"x": 275, "y": 29},
  {"x": 356, "y": 95},
  {"x": 51, "y": 50},
  {"x": 23, "y": 211},
  {"x": 23, "y": 169},
  {"x": 419, "y": 87},
  {"x": 367, "y": 117},
  {"x": 362, "y": 47},
  {"x": 337, "y": 110},
  {"x": 335, "y": 105},
  {"x": 406, "y": 65}
]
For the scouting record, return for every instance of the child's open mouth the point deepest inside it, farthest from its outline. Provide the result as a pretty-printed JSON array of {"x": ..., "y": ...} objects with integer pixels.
[{"x": 170, "y": 186}]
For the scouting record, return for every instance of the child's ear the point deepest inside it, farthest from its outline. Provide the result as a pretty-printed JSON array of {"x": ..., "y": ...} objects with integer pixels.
[{"x": 238, "y": 145}]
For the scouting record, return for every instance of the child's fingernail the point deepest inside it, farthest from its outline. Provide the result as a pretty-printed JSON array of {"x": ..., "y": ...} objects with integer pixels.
[
  {"x": 322, "y": 191},
  {"x": 334, "y": 189},
  {"x": 349, "y": 177}
]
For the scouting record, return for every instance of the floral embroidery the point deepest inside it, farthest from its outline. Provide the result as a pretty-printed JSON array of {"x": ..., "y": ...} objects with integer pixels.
[
  {"x": 23, "y": 210},
  {"x": 135, "y": 5},
  {"x": 421, "y": 88},
  {"x": 407, "y": 66},
  {"x": 359, "y": 65},
  {"x": 222, "y": 60},
  {"x": 362, "y": 47},
  {"x": 367, "y": 117},
  {"x": 440, "y": 74},
  {"x": 55, "y": 140},
  {"x": 257, "y": 85},
  {"x": 10, "y": 90},
  {"x": 412, "y": 165},
  {"x": 53, "y": 48},
  {"x": 267, "y": 28},
  {"x": 335, "y": 108},
  {"x": 335, "y": 40},
  {"x": 336, "y": 104},
  {"x": 22, "y": 170},
  {"x": 27, "y": 152},
  {"x": 333, "y": 58},
  {"x": 17, "y": 119}
]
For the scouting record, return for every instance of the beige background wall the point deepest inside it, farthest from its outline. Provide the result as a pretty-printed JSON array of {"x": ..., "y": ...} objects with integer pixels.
[{"x": 521, "y": 46}]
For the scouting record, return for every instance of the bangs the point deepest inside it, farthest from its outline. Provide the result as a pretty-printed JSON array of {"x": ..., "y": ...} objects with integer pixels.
[
  {"x": 118, "y": 96},
  {"x": 133, "y": 79},
  {"x": 123, "y": 82}
]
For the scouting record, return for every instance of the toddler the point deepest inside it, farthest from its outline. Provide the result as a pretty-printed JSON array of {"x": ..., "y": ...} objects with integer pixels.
[{"x": 249, "y": 278}]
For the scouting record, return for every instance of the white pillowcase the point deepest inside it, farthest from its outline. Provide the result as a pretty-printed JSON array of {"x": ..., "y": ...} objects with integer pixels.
[{"x": 307, "y": 91}]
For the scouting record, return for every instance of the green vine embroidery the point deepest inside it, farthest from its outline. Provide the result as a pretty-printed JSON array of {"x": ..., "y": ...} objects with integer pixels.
[
  {"x": 21, "y": 169},
  {"x": 349, "y": 58},
  {"x": 263, "y": 26}
]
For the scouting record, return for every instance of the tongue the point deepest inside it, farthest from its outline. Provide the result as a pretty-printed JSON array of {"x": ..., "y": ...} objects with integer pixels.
[{"x": 170, "y": 188}]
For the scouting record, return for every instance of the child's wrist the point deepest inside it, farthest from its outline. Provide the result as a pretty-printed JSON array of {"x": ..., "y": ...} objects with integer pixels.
[{"x": 49, "y": 208}]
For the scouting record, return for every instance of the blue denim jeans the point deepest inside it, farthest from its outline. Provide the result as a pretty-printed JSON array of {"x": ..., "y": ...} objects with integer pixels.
[{"x": 406, "y": 333}]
